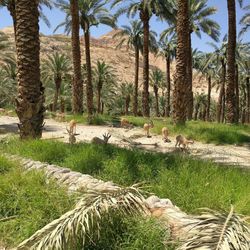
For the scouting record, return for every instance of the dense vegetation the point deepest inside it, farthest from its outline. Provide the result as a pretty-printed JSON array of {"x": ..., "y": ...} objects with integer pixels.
[
  {"x": 189, "y": 183},
  {"x": 29, "y": 202}
]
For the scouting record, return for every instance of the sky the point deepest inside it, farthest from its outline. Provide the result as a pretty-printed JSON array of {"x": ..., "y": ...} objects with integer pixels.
[{"x": 56, "y": 17}]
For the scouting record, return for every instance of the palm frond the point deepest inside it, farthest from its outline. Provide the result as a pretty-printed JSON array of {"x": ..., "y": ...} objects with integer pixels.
[
  {"x": 218, "y": 231},
  {"x": 86, "y": 218}
]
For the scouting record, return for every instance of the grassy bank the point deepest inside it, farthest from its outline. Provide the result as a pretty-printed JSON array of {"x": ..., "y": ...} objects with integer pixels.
[
  {"x": 188, "y": 182},
  {"x": 30, "y": 198},
  {"x": 32, "y": 202}
]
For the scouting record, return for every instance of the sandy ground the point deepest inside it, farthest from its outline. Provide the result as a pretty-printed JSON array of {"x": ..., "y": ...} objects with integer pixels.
[{"x": 225, "y": 154}]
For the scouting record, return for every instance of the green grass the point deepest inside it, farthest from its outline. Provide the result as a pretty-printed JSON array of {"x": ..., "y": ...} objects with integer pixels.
[
  {"x": 188, "y": 182},
  {"x": 208, "y": 132},
  {"x": 30, "y": 198},
  {"x": 35, "y": 202}
]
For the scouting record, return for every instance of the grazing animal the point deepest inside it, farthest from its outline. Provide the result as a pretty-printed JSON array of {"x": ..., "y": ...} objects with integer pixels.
[
  {"x": 147, "y": 127},
  {"x": 181, "y": 140},
  {"x": 72, "y": 137},
  {"x": 60, "y": 117},
  {"x": 2, "y": 111},
  {"x": 165, "y": 133},
  {"x": 124, "y": 123},
  {"x": 97, "y": 140},
  {"x": 72, "y": 126}
]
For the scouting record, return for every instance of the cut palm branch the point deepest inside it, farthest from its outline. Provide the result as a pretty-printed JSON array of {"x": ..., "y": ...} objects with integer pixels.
[
  {"x": 84, "y": 221},
  {"x": 218, "y": 231}
]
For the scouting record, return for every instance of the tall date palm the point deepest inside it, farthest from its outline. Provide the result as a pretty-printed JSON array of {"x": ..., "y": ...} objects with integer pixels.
[
  {"x": 77, "y": 82},
  {"x": 91, "y": 13},
  {"x": 145, "y": 9},
  {"x": 182, "y": 27},
  {"x": 30, "y": 99}
]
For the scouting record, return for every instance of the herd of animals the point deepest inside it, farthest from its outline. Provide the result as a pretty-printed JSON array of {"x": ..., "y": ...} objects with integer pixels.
[{"x": 124, "y": 123}]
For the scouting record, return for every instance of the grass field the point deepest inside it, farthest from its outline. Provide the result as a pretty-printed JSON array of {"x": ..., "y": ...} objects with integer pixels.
[
  {"x": 188, "y": 182},
  {"x": 34, "y": 202}
]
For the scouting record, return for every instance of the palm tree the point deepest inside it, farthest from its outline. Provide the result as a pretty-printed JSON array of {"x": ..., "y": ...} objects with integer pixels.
[
  {"x": 77, "y": 82},
  {"x": 126, "y": 91},
  {"x": 230, "y": 94},
  {"x": 219, "y": 57},
  {"x": 199, "y": 19},
  {"x": 103, "y": 74},
  {"x": 231, "y": 57},
  {"x": 168, "y": 51},
  {"x": 245, "y": 72},
  {"x": 156, "y": 80},
  {"x": 207, "y": 68},
  {"x": 11, "y": 6},
  {"x": 133, "y": 37},
  {"x": 245, "y": 20},
  {"x": 182, "y": 27},
  {"x": 30, "y": 99},
  {"x": 91, "y": 13},
  {"x": 6, "y": 51},
  {"x": 145, "y": 8},
  {"x": 55, "y": 68},
  {"x": 8, "y": 84}
]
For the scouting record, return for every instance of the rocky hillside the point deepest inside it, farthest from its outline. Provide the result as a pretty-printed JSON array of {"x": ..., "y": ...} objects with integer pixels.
[{"x": 104, "y": 48}]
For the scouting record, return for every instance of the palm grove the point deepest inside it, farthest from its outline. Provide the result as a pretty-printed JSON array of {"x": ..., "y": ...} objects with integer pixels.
[{"x": 72, "y": 83}]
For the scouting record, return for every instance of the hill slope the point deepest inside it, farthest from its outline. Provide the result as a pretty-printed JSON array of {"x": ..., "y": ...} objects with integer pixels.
[{"x": 104, "y": 48}]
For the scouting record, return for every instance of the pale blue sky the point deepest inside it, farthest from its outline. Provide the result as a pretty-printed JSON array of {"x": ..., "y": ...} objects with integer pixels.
[{"x": 55, "y": 16}]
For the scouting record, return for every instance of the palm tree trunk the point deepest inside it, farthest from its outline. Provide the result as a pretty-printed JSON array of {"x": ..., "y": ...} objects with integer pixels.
[
  {"x": 127, "y": 102},
  {"x": 135, "y": 97},
  {"x": 58, "y": 83},
  {"x": 220, "y": 106},
  {"x": 230, "y": 93},
  {"x": 156, "y": 101},
  {"x": 208, "y": 99},
  {"x": 244, "y": 105},
  {"x": 197, "y": 107},
  {"x": 144, "y": 15},
  {"x": 12, "y": 9},
  {"x": 55, "y": 100},
  {"x": 77, "y": 83},
  {"x": 168, "y": 63},
  {"x": 190, "y": 101},
  {"x": 179, "y": 114},
  {"x": 89, "y": 87},
  {"x": 248, "y": 99},
  {"x": 62, "y": 105},
  {"x": 30, "y": 100},
  {"x": 237, "y": 94},
  {"x": 99, "y": 89}
]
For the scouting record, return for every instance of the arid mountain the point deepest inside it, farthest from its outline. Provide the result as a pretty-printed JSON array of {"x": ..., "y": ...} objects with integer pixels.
[{"x": 104, "y": 48}]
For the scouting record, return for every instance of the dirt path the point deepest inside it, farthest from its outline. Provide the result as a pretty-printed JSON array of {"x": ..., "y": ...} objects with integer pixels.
[{"x": 227, "y": 154}]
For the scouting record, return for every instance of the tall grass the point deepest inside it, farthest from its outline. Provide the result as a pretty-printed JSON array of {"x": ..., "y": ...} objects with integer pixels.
[
  {"x": 35, "y": 202},
  {"x": 188, "y": 182},
  {"x": 31, "y": 198}
]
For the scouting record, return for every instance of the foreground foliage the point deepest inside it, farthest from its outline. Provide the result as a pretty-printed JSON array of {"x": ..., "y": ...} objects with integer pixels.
[
  {"x": 188, "y": 182},
  {"x": 30, "y": 200}
]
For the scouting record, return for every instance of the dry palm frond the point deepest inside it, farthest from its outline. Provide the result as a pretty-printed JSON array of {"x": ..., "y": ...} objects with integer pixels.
[
  {"x": 8, "y": 218},
  {"x": 85, "y": 219},
  {"x": 218, "y": 231}
]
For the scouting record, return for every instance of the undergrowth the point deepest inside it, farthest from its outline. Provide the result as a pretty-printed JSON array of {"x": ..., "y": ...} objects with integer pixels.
[{"x": 188, "y": 182}]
